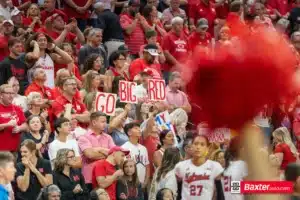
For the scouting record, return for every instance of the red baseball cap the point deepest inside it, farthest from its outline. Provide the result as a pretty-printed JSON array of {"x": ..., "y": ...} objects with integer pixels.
[{"x": 117, "y": 148}]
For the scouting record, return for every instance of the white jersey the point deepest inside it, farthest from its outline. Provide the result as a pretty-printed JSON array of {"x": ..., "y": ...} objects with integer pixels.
[
  {"x": 198, "y": 182},
  {"x": 139, "y": 154},
  {"x": 47, "y": 64},
  {"x": 236, "y": 171}
]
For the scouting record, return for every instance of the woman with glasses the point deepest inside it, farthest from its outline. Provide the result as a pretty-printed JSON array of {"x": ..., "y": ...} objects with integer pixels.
[
  {"x": 69, "y": 180},
  {"x": 95, "y": 63},
  {"x": 118, "y": 65},
  {"x": 164, "y": 176}
]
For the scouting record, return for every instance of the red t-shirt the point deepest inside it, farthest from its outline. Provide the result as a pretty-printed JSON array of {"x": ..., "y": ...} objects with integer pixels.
[
  {"x": 10, "y": 141},
  {"x": 28, "y": 20},
  {"x": 139, "y": 65},
  {"x": 104, "y": 168},
  {"x": 151, "y": 145},
  {"x": 58, "y": 105},
  {"x": 45, "y": 14},
  {"x": 204, "y": 11},
  {"x": 43, "y": 90},
  {"x": 4, "y": 52},
  {"x": 56, "y": 92},
  {"x": 18, "y": 2},
  {"x": 288, "y": 156},
  {"x": 71, "y": 12},
  {"x": 283, "y": 6},
  {"x": 115, "y": 73},
  {"x": 70, "y": 37},
  {"x": 195, "y": 40},
  {"x": 177, "y": 46}
]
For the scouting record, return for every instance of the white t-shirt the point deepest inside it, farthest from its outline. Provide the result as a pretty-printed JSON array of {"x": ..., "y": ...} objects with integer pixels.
[
  {"x": 236, "y": 171},
  {"x": 57, "y": 145},
  {"x": 198, "y": 182},
  {"x": 139, "y": 154},
  {"x": 47, "y": 64}
]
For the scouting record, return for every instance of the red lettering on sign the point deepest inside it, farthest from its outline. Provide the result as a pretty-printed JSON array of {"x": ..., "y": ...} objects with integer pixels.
[
  {"x": 125, "y": 92},
  {"x": 156, "y": 89}
]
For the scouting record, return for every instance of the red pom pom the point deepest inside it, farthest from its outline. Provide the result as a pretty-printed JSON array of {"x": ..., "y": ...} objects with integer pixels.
[{"x": 234, "y": 85}]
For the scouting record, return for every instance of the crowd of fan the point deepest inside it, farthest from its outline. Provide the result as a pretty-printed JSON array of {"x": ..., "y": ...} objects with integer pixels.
[{"x": 56, "y": 55}]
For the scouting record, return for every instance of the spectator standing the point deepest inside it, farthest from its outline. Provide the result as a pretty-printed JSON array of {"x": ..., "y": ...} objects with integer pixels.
[
  {"x": 77, "y": 110},
  {"x": 49, "y": 10},
  {"x": 105, "y": 174},
  {"x": 69, "y": 180},
  {"x": 171, "y": 12},
  {"x": 63, "y": 128},
  {"x": 204, "y": 9},
  {"x": 18, "y": 100},
  {"x": 164, "y": 176},
  {"x": 79, "y": 10},
  {"x": 138, "y": 153},
  {"x": 129, "y": 186},
  {"x": 94, "y": 145},
  {"x": 6, "y": 34},
  {"x": 146, "y": 63},
  {"x": 134, "y": 25},
  {"x": 32, "y": 19},
  {"x": 7, "y": 173},
  {"x": 93, "y": 46},
  {"x": 113, "y": 37},
  {"x": 118, "y": 65},
  {"x": 166, "y": 138},
  {"x": 13, "y": 66},
  {"x": 33, "y": 172},
  {"x": 175, "y": 46},
  {"x": 12, "y": 120}
]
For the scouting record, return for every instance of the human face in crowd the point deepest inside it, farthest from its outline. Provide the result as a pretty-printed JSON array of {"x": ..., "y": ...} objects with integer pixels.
[
  {"x": 58, "y": 23},
  {"x": 201, "y": 30},
  {"x": 221, "y": 159},
  {"x": 144, "y": 80},
  {"x": 277, "y": 138},
  {"x": 65, "y": 128},
  {"x": 96, "y": 81},
  {"x": 120, "y": 62},
  {"x": 178, "y": 27},
  {"x": 96, "y": 39},
  {"x": 188, "y": 150},
  {"x": 34, "y": 10},
  {"x": 26, "y": 153},
  {"x": 169, "y": 139},
  {"x": 149, "y": 58},
  {"x": 134, "y": 9},
  {"x": 15, "y": 85},
  {"x": 175, "y": 84},
  {"x": 70, "y": 87},
  {"x": 68, "y": 49},
  {"x": 200, "y": 147},
  {"x": 224, "y": 34},
  {"x": 168, "y": 195},
  {"x": 7, "y": 28},
  {"x": 8, "y": 172},
  {"x": 119, "y": 158},
  {"x": 42, "y": 41},
  {"x": 17, "y": 19},
  {"x": 100, "y": 123},
  {"x": 7, "y": 96},
  {"x": 49, "y": 5},
  {"x": 54, "y": 196},
  {"x": 135, "y": 132},
  {"x": 154, "y": 13},
  {"x": 37, "y": 100},
  {"x": 102, "y": 195},
  {"x": 40, "y": 75},
  {"x": 16, "y": 49},
  {"x": 35, "y": 124},
  {"x": 129, "y": 168},
  {"x": 152, "y": 3},
  {"x": 259, "y": 10},
  {"x": 98, "y": 64},
  {"x": 175, "y": 4},
  {"x": 70, "y": 158},
  {"x": 152, "y": 40}
]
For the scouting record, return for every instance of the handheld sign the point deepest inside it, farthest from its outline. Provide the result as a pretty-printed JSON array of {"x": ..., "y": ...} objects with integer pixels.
[
  {"x": 126, "y": 92},
  {"x": 106, "y": 103},
  {"x": 219, "y": 135},
  {"x": 163, "y": 121},
  {"x": 157, "y": 90}
]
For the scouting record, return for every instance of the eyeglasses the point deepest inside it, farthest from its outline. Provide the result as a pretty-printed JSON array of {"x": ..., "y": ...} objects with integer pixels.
[{"x": 73, "y": 84}]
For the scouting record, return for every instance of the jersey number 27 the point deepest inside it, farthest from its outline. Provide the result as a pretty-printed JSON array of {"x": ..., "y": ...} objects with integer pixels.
[{"x": 195, "y": 190}]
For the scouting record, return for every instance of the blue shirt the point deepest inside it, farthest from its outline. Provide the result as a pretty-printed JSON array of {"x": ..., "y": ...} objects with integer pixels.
[
  {"x": 119, "y": 137},
  {"x": 4, "y": 194}
]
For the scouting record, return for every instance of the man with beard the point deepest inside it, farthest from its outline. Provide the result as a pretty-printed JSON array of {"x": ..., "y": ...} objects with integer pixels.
[
  {"x": 7, "y": 30},
  {"x": 134, "y": 25},
  {"x": 146, "y": 63},
  {"x": 60, "y": 32},
  {"x": 13, "y": 66}
]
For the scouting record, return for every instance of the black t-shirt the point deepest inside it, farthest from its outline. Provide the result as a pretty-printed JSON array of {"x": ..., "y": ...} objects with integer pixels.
[
  {"x": 67, "y": 184},
  {"x": 35, "y": 187},
  {"x": 14, "y": 67}
]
